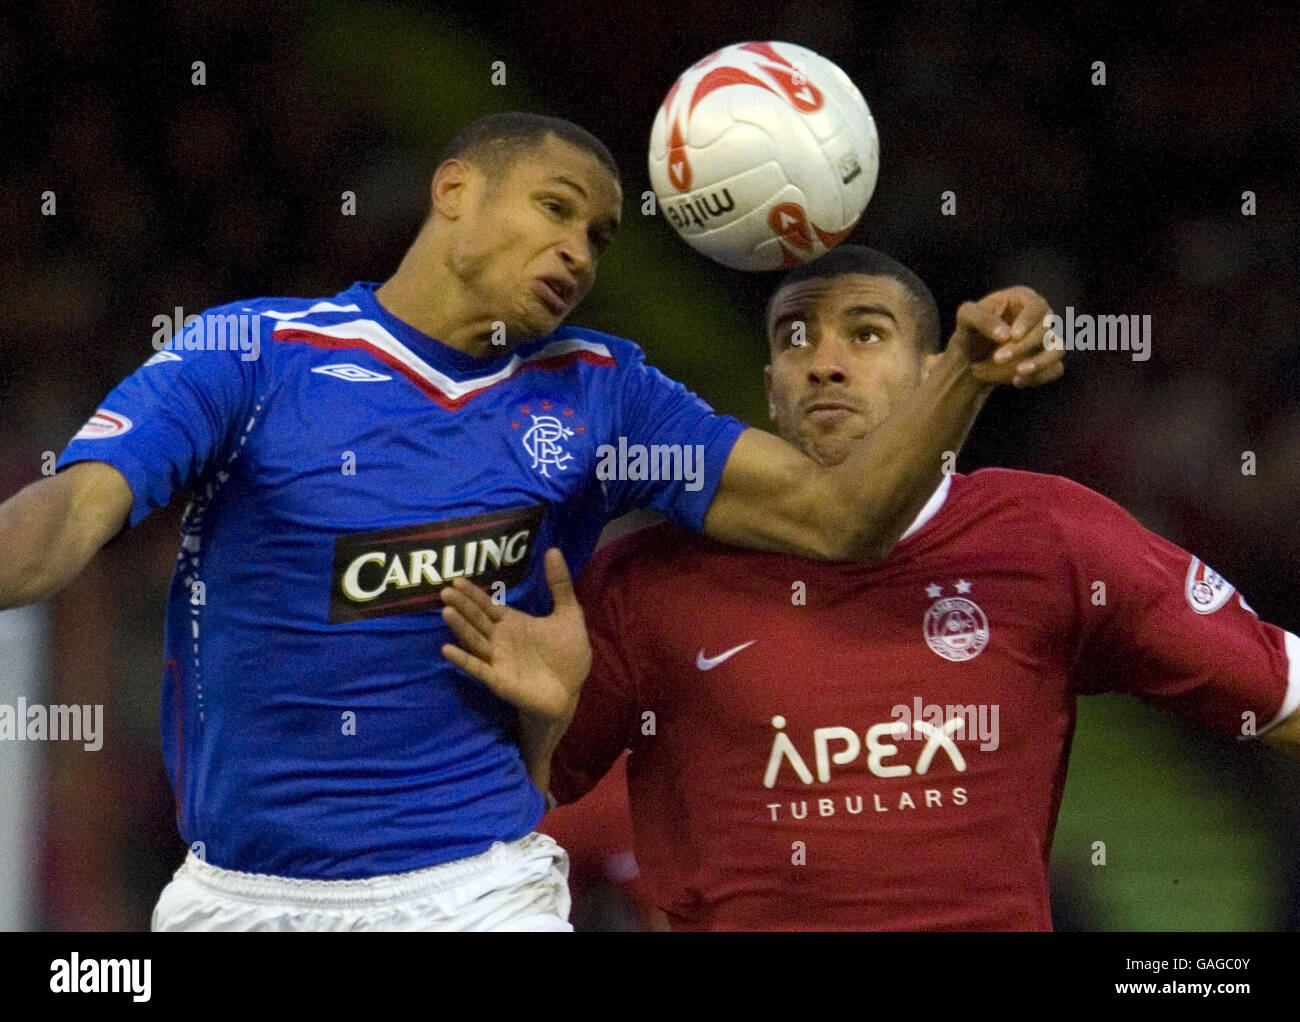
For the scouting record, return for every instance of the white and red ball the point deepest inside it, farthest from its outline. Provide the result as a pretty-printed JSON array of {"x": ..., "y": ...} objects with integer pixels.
[{"x": 763, "y": 155}]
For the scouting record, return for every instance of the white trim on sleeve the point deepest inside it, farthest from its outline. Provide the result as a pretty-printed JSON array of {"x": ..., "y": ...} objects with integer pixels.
[{"x": 1291, "y": 701}]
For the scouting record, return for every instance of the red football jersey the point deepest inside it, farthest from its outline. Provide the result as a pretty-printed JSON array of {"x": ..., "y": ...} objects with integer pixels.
[{"x": 839, "y": 746}]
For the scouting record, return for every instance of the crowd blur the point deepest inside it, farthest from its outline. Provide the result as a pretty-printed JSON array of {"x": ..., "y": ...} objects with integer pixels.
[{"x": 194, "y": 154}]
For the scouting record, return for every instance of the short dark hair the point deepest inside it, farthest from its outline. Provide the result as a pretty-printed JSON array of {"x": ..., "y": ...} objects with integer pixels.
[
  {"x": 495, "y": 142},
  {"x": 845, "y": 259}
]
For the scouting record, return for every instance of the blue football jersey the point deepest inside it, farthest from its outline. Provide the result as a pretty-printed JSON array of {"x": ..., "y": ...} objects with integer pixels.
[{"x": 342, "y": 468}]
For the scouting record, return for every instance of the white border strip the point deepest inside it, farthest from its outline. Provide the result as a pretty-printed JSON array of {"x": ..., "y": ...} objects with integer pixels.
[
  {"x": 375, "y": 335},
  {"x": 318, "y": 307},
  {"x": 931, "y": 506},
  {"x": 1291, "y": 701}
]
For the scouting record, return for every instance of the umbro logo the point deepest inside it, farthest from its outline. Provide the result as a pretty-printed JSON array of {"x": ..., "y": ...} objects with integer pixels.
[
  {"x": 707, "y": 663},
  {"x": 351, "y": 372}
]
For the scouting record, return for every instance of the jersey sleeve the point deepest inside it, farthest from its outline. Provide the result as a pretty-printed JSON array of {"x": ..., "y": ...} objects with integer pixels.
[
  {"x": 1160, "y": 624},
  {"x": 164, "y": 426},
  {"x": 607, "y": 715},
  {"x": 681, "y": 442}
]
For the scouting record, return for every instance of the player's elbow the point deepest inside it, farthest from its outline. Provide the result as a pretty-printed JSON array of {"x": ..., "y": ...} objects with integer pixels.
[
  {"x": 830, "y": 535},
  {"x": 29, "y": 578},
  {"x": 862, "y": 543},
  {"x": 845, "y": 533},
  {"x": 824, "y": 519}
]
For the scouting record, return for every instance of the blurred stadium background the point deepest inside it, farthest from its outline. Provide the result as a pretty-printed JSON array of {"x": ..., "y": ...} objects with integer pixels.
[{"x": 1122, "y": 198}]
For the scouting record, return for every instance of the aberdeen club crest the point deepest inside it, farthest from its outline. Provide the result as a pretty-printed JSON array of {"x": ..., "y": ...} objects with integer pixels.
[{"x": 955, "y": 627}]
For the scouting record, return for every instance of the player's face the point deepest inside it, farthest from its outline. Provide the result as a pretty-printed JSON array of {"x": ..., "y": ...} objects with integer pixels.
[
  {"x": 534, "y": 236},
  {"x": 836, "y": 378}
]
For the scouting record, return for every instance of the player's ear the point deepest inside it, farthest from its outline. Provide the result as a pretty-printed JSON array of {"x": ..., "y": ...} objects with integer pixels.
[
  {"x": 449, "y": 188},
  {"x": 767, "y": 388}
]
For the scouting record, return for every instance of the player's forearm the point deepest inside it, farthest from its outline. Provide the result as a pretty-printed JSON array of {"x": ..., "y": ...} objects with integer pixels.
[
  {"x": 538, "y": 740},
  {"x": 51, "y": 530},
  {"x": 868, "y": 501},
  {"x": 28, "y": 538}
]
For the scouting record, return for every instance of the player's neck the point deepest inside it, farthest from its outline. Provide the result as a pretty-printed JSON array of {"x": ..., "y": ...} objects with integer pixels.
[{"x": 423, "y": 293}]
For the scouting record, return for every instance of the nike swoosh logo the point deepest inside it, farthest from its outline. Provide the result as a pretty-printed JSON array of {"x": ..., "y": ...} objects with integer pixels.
[{"x": 707, "y": 663}]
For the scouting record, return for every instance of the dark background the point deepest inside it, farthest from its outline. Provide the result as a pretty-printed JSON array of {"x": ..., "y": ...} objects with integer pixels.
[{"x": 1122, "y": 198}]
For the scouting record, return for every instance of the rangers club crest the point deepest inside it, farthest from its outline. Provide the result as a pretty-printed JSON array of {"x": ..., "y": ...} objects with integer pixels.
[
  {"x": 545, "y": 440},
  {"x": 1207, "y": 590},
  {"x": 955, "y": 627}
]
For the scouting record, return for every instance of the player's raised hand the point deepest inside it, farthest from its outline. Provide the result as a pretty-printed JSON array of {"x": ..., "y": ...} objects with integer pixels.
[
  {"x": 1003, "y": 335},
  {"x": 536, "y": 663}
]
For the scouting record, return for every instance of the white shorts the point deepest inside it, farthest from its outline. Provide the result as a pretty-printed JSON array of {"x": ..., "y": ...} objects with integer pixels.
[{"x": 519, "y": 885}]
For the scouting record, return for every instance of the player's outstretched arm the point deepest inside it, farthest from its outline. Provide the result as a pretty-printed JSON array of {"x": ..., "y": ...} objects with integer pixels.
[
  {"x": 51, "y": 530},
  {"x": 537, "y": 664},
  {"x": 772, "y": 497}
]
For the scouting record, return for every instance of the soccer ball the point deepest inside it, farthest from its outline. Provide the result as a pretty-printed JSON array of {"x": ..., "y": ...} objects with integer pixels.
[{"x": 763, "y": 155}]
